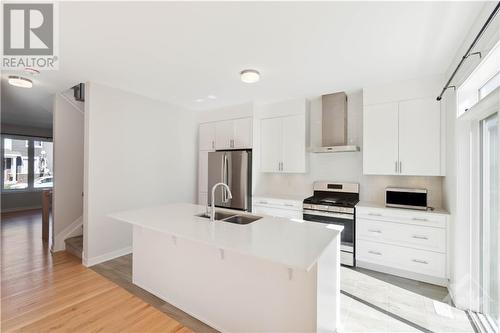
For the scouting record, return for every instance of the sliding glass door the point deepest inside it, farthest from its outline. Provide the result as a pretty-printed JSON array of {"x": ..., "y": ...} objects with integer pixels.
[{"x": 490, "y": 226}]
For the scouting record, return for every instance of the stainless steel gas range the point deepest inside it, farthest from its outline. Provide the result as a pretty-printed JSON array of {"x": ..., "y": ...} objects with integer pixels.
[{"x": 334, "y": 203}]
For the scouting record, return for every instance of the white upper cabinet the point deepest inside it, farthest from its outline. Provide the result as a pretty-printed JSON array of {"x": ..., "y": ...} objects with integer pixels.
[
  {"x": 420, "y": 137},
  {"x": 233, "y": 134},
  {"x": 283, "y": 144},
  {"x": 380, "y": 139},
  {"x": 271, "y": 151},
  {"x": 403, "y": 138},
  {"x": 207, "y": 136},
  {"x": 224, "y": 134},
  {"x": 294, "y": 148},
  {"x": 242, "y": 133}
]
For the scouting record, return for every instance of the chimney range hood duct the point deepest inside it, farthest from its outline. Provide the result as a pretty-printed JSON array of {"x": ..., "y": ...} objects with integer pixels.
[{"x": 334, "y": 125}]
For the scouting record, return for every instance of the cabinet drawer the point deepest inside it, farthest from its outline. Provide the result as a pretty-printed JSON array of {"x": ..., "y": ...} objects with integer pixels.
[
  {"x": 278, "y": 203},
  {"x": 277, "y": 212},
  {"x": 417, "y": 261},
  {"x": 425, "y": 238},
  {"x": 402, "y": 216}
]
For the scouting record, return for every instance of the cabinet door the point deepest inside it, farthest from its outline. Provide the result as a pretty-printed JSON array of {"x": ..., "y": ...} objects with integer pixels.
[
  {"x": 223, "y": 134},
  {"x": 270, "y": 145},
  {"x": 380, "y": 139},
  {"x": 294, "y": 147},
  {"x": 242, "y": 133},
  {"x": 420, "y": 137},
  {"x": 203, "y": 171},
  {"x": 207, "y": 136}
]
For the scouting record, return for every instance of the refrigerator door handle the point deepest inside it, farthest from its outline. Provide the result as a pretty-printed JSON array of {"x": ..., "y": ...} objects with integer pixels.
[{"x": 225, "y": 179}]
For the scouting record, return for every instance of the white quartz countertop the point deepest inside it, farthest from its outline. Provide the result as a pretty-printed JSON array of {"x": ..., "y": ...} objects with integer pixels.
[
  {"x": 294, "y": 243},
  {"x": 364, "y": 204}
]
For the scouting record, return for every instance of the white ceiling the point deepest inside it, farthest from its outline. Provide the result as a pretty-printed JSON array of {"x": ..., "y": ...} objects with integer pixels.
[{"x": 182, "y": 51}]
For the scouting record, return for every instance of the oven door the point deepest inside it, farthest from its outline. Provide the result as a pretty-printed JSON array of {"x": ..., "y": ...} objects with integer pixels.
[{"x": 345, "y": 220}]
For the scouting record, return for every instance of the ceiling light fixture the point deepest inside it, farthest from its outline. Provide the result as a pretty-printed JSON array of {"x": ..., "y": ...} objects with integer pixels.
[
  {"x": 199, "y": 100},
  {"x": 212, "y": 97},
  {"x": 250, "y": 75},
  {"x": 19, "y": 81}
]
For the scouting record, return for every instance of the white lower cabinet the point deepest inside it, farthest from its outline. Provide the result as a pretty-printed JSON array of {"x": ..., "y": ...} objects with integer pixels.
[
  {"x": 404, "y": 258},
  {"x": 291, "y": 209},
  {"x": 407, "y": 243}
]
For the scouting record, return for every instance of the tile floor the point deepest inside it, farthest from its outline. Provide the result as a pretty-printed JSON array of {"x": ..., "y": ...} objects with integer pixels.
[{"x": 377, "y": 302}]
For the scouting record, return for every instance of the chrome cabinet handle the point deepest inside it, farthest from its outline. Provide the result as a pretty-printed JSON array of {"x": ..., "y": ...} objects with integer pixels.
[
  {"x": 375, "y": 231},
  {"x": 375, "y": 252},
  {"x": 400, "y": 167},
  {"x": 396, "y": 166},
  {"x": 420, "y": 261},
  {"x": 263, "y": 202},
  {"x": 213, "y": 144},
  {"x": 420, "y": 219},
  {"x": 374, "y": 214},
  {"x": 289, "y": 205},
  {"x": 419, "y": 237}
]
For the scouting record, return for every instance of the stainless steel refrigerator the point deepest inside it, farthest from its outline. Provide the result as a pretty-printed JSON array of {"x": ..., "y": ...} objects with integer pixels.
[{"x": 233, "y": 168}]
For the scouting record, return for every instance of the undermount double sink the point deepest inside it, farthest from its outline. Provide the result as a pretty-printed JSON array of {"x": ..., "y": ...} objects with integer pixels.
[{"x": 231, "y": 217}]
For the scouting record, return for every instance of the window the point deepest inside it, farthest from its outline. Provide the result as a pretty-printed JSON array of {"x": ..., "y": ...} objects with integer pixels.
[
  {"x": 43, "y": 164},
  {"x": 15, "y": 164},
  {"x": 26, "y": 163},
  {"x": 489, "y": 86},
  {"x": 482, "y": 81},
  {"x": 489, "y": 221}
]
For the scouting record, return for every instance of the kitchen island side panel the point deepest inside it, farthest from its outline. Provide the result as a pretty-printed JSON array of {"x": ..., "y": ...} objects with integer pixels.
[{"x": 229, "y": 291}]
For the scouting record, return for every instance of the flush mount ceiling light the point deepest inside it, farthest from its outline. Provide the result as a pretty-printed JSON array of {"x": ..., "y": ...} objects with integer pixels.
[
  {"x": 19, "y": 81},
  {"x": 250, "y": 75},
  {"x": 212, "y": 97}
]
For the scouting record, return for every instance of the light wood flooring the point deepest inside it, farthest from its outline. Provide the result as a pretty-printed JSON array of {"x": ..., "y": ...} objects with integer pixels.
[{"x": 41, "y": 292}]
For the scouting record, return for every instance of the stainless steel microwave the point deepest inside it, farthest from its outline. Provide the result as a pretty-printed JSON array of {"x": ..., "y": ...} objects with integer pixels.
[{"x": 412, "y": 198}]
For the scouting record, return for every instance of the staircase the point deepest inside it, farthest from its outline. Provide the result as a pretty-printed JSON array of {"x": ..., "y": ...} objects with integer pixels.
[{"x": 74, "y": 245}]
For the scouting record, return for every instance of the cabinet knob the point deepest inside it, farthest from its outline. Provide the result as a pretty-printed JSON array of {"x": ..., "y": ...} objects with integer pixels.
[
  {"x": 375, "y": 231},
  {"x": 375, "y": 252}
]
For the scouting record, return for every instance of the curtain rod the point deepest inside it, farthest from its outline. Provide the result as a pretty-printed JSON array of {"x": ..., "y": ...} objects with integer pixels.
[{"x": 468, "y": 53}]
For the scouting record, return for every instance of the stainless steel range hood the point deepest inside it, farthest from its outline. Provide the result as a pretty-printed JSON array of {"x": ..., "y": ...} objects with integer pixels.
[{"x": 334, "y": 125}]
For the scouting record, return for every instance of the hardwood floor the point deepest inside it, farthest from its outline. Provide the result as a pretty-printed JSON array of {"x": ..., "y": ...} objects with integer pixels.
[
  {"x": 119, "y": 270},
  {"x": 41, "y": 292}
]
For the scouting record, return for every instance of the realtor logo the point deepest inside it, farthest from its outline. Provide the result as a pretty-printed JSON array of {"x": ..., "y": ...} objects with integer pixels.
[{"x": 29, "y": 32}]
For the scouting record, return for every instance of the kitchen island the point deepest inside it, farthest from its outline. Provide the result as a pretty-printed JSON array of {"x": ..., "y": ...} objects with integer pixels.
[{"x": 273, "y": 274}]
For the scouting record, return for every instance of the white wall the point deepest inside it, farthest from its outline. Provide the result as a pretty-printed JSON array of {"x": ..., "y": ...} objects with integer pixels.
[
  {"x": 68, "y": 124},
  {"x": 138, "y": 152},
  {"x": 342, "y": 167}
]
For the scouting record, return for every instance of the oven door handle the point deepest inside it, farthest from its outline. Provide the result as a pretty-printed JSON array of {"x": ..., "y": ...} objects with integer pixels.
[{"x": 328, "y": 214}]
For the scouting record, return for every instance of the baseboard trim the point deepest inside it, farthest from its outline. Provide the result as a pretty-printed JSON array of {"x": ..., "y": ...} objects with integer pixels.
[
  {"x": 71, "y": 230},
  {"x": 403, "y": 273},
  {"x": 89, "y": 262}
]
